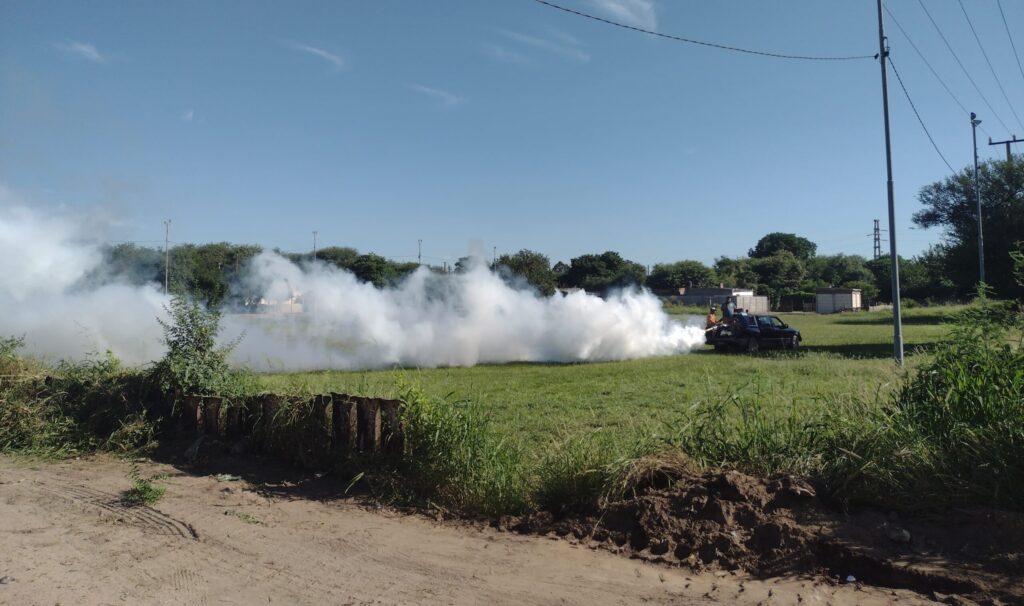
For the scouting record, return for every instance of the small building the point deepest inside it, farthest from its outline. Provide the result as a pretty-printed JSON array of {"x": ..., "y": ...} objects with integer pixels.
[
  {"x": 835, "y": 300},
  {"x": 706, "y": 297}
]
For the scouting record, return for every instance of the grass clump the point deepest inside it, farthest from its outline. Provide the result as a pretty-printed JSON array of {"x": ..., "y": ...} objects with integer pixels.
[{"x": 142, "y": 490}]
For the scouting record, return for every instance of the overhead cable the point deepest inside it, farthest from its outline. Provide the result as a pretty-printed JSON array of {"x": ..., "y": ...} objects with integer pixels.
[
  {"x": 960, "y": 63},
  {"x": 919, "y": 120},
  {"x": 990, "y": 68},
  {"x": 1016, "y": 55},
  {"x": 700, "y": 42},
  {"x": 923, "y": 58}
]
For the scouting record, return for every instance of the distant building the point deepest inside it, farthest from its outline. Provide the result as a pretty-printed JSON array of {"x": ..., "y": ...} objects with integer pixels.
[
  {"x": 706, "y": 297},
  {"x": 835, "y": 300}
]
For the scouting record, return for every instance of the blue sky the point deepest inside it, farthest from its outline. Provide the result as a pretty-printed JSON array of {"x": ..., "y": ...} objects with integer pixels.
[{"x": 483, "y": 123}]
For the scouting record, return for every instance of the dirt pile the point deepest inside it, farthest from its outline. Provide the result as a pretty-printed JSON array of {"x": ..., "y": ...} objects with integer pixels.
[{"x": 780, "y": 526}]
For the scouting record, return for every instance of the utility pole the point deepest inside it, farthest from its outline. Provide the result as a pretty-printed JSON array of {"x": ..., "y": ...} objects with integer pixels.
[
  {"x": 897, "y": 319},
  {"x": 977, "y": 198},
  {"x": 314, "y": 246},
  {"x": 494, "y": 257},
  {"x": 167, "y": 255},
  {"x": 419, "y": 252},
  {"x": 1009, "y": 155}
]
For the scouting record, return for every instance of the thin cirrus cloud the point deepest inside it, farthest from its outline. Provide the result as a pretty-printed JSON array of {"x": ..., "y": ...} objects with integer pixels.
[
  {"x": 639, "y": 13},
  {"x": 335, "y": 60},
  {"x": 505, "y": 55},
  {"x": 445, "y": 98},
  {"x": 188, "y": 116},
  {"x": 557, "y": 43},
  {"x": 80, "y": 50}
]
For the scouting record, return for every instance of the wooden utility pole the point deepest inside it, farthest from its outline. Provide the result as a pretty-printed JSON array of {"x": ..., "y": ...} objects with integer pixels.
[{"x": 1009, "y": 154}]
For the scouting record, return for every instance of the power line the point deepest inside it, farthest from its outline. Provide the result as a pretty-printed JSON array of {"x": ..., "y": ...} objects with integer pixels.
[
  {"x": 1016, "y": 55},
  {"x": 960, "y": 63},
  {"x": 990, "y": 68},
  {"x": 913, "y": 107},
  {"x": 923, "y": 58},
  {"x": 700, "y": 42}
]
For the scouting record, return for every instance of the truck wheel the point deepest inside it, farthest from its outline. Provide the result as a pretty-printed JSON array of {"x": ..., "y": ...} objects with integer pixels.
[
  {"x": 753, "y": 346},
  {"x": 794, "y": 344}
]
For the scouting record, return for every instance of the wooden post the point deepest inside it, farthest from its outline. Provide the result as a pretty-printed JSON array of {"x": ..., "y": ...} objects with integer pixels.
[
  {"x": 233, "y": 422},
  {"x": 368, "y": 425},
  {"x": 343, "y": 422},
  {"x": 211, "y": 414},
  {"x": 393, "y": 441},
  {"x": 191, "y": 413}
]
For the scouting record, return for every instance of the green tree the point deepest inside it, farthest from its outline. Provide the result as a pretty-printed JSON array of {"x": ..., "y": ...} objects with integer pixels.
[
  {"x": 735, "y": 272},
  {"x": 914, "y": 278},
  {"x": 778, "y": 275},
  {"x": 534, "y": 267},
  {"x": 950, "y": 204},
  {"x": 598, "y": 273},
  {"x": 193, "y": 364},
  {"x": 801, "y": 248},
  {"x": 681, "y": 274},
  {"x": 339, "y": 256}
]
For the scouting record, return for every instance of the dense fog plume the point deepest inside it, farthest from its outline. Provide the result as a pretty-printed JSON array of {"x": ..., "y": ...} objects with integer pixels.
[
  {"x": 54, "y": 291},
  {"x": 442, "y": 320},
  {"x": 48, "y": 292}
]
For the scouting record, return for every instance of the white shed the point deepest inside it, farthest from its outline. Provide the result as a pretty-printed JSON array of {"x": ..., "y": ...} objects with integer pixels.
[{"x": 834, "y": 300}]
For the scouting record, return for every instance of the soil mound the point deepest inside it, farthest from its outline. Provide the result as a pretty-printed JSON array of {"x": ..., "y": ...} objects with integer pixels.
[{"x": 777, "y": 526}]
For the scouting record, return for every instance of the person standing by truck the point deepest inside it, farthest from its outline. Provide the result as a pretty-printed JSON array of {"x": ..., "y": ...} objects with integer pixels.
[
  {"x": 729, "y": 309},
  {"x": 712, "y": 318}
]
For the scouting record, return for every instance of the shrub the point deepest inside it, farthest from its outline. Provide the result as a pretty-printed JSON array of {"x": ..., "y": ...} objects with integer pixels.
[{"x": 194, "y": 364}]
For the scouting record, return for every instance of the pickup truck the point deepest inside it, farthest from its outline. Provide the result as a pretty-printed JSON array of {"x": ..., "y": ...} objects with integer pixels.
[{"x": 751, "y": 333}]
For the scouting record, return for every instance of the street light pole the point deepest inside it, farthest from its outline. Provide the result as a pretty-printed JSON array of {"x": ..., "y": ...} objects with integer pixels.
[
  {"x": 977, "y": 198},
  {"x": 897, "y": 318},
  {"x": 314, "y": 246}
]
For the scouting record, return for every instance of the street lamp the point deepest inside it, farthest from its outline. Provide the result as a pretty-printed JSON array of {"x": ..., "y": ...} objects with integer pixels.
[{"x": 977, "y": 199}]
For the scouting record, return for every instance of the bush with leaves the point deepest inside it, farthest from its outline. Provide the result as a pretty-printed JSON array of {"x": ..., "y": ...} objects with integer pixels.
[{"x": 194, "y": 363}]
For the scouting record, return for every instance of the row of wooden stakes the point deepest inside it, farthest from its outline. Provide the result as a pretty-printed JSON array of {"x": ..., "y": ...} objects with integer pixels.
[{"x": 333, "y": 423}]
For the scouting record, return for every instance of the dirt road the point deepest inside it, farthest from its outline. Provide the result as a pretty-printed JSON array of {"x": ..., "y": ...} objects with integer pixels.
[{"x": 65, "y": 538}]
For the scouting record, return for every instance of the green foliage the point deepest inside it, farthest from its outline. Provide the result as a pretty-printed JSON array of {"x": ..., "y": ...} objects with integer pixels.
[
  {"x": 776, "y": 242},
  {"x": 681, "y": 274},
  {"x": 142, "y": 491},
  {"x": 342, "y": 257},
  {"x": 950, "y": 204},
  {"x": 915, "y": 282},
  {"x": 778, "y": 275},
  {"x": 599, "y": 273},
  {"x": 534, "y": 267},
  {"x": 735, "y": 272},
  {"x": 194, "y": 364},
  {"x": 454, "y": 457},
  {"x": 80, "y": 407}
]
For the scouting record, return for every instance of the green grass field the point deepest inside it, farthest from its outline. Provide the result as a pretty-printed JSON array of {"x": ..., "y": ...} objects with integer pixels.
[{"x": 845, "y": 356}]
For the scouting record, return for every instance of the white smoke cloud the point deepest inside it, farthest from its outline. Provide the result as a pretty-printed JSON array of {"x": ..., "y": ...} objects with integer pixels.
[
  {"x": 44, "y": 260},
  {"x": 428, "y": 320},
  {"x": 434, "y": 320}
]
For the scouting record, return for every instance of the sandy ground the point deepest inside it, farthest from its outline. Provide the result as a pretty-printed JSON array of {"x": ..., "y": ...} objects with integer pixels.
[{"x": 65, "y": 538}]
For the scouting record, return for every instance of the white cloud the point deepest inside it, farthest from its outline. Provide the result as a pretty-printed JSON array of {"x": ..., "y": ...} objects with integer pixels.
[
  {"x": 337, "y": 61},
  {"x": 446, "y": 98},
  {"x": 567, "y": 47},
  {"x": 188, "y": 116},
  {"x": 505, "y": 55},
  {"x": 639, "y": 13},
  {"x": 82, "y": 50}
]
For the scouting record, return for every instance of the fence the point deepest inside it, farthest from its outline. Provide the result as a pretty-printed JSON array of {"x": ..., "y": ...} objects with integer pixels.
[{"x": 308, "y": 430}]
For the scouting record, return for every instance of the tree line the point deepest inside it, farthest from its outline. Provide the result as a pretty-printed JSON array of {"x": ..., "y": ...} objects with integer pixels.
[{"x": 779, "y": 265}]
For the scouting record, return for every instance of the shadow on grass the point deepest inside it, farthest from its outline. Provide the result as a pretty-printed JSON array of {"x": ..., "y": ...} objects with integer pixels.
[
  {"x": 932, "y": 319},
  {"x": 869, "y": 350}
]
